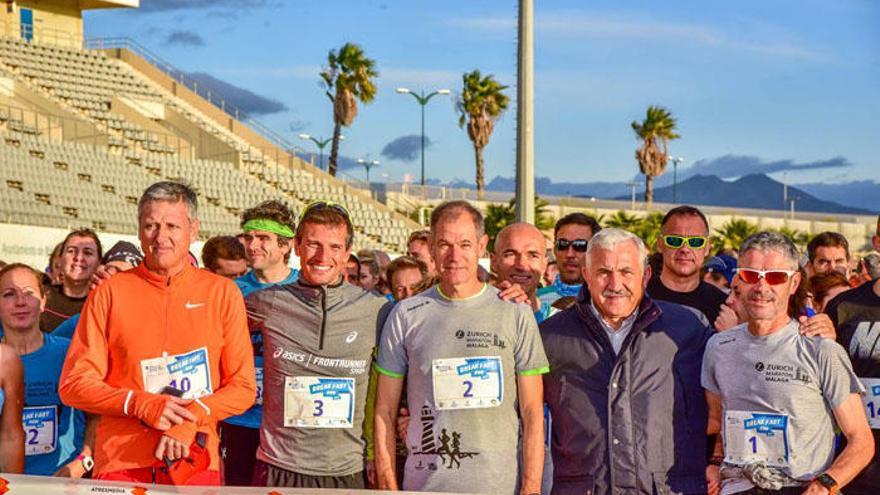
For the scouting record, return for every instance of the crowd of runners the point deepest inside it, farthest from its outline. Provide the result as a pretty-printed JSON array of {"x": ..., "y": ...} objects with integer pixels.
[{"x": 594, "y": 367}]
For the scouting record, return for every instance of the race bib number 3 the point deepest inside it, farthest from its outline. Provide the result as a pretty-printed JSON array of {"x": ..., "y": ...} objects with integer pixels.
[
  {"x": 189, "y": 373},
  {"x": 756, "y": 437},
  {"x": 41, "y": 429},
  {"x": 468, "y": 383},
  {"x": 872, "y": 401},
  {"x": 318, "y": 402}
]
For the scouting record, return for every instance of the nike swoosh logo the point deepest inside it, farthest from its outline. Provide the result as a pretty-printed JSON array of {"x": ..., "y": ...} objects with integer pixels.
[{"x": 190, "y": 305}]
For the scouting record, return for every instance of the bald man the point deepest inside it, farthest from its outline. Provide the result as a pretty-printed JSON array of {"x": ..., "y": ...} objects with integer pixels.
[{"x": 520, "y": 257}]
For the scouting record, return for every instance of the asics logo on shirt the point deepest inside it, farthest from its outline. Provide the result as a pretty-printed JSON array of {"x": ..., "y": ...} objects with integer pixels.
[
  {"x": 190, "y": 305},
  {"x": 350, "y": 337}
]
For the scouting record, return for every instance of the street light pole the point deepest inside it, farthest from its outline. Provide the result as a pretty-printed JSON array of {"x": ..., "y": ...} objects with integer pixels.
[
  {"x": 321, "y": 144},
  {"x": 368, "y": 164},
  {"x": 423, "y": 99},
  {"x": 675, "y": 161}
]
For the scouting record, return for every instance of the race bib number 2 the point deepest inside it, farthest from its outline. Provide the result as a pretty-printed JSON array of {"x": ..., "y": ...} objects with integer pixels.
[
  {"x": 41, "y": 429},
  {"x": 189, "y": 373},
  {"x": 318, "y": 402},
  {"x": 756, "y": 437},
  {"x": 872, "y": 401},
  {"x": 468, "y": 383}
]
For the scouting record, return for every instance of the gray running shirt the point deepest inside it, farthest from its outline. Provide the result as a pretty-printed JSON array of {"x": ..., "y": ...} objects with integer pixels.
[
  {"x": 317, "y": 347},
  {"x": 778, "y": 395},
  {"x": 461, "y": 359}
]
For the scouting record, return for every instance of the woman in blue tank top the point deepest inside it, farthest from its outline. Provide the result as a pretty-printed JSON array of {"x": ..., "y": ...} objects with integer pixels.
[
  {"x": 11, "y": 402},
  {"x": 53, "y": 431}
]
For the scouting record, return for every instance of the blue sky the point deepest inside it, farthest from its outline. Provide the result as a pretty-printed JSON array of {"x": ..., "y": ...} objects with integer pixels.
[{"x": 794, "y": 80}]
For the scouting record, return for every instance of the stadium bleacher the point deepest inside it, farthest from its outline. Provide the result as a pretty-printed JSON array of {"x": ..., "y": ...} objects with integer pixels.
[{"x": 58, "y": 182}]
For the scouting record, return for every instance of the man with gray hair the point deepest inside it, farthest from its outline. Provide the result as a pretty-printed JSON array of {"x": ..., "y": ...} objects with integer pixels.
[
  {"x": 473, "y": 366},
  {"x": 629, "y": 415},
  {"x": 161, "y": 354},
  {"x": 774, "y": 395}
]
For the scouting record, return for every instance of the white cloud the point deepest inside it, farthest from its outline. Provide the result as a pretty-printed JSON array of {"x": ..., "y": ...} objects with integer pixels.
[{"x": 601, "y": 25}]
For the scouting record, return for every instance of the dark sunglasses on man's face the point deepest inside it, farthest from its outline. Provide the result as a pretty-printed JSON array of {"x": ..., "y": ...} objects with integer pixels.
[
  {"x": 579, "y": 245},
  {"x": 677, "y": 241}
]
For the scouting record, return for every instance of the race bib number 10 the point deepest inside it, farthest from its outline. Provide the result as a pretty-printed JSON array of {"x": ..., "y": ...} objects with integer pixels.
[
  {"x": 872, "y": 401},
  {"x": 189, "y": 373},
  {"x": 468, "y": 383},
  {"x": 756, "y": 437},
  {"x": 41, "y": 429},
  {"x": 318, "y": 402}
]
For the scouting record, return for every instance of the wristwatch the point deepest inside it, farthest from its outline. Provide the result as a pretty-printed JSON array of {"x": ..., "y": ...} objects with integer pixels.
[
  {"x": 828, "y": 482},
  {"x": 87, "y": 462}
]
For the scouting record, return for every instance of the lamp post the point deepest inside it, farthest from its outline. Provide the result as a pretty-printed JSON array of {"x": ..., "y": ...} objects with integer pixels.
[
  {"x": 423, "y": 99},
  {"x": 675, "y": 161},
  {"x": 321, "y": 144},
  {"x": 368, "y": 164}
]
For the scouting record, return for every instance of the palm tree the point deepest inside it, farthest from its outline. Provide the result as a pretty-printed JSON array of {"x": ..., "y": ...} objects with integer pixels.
[
  {"x": 622, "y": 220},
  {"x": 500, "y": 215},
  {"x": 348, "y": 77},
  {"x": 655, "y": 131},
  {"x": 800, "y": 239},
  {"x": 733, "y": 233},
  {"x": 649, "y": 229},
  {"x": 480, "y": 104}
]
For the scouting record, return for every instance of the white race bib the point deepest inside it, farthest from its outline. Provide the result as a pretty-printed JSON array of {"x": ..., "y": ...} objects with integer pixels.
[
  {"x": 189, "y": 373},
  {"x": 318, "y": 402},
  {"x": 872, "y": 401},
  {"x": 259, "y": 386},
  {"x": 756, "y": 437},
  {"x": 41, "y": 429},
  {"x": 468, "y": 383}
]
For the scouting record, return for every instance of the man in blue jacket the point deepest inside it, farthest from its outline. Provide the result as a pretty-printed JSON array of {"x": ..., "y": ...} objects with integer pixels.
[{"x": 629, "y": 414}]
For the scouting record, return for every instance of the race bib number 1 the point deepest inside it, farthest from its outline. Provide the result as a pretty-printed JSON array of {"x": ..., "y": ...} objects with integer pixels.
[
  {"x": 189, "y": 373},
  {"x": 756, "y": 437},
  {"x": 41, "y": 429},
  {"x": 872, "y": 401},
  {"x": 318, "y": 402},
  {"x": 468, "y": 383}
]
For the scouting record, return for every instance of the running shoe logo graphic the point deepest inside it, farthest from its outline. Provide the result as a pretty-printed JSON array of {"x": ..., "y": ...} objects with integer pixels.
[
  {"x": 350, "y": 337},
  {"x": 190, "y": 305}
]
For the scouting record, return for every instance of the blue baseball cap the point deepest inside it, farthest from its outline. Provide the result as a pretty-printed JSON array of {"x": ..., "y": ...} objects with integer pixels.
[{"x": 723, "y": 264}]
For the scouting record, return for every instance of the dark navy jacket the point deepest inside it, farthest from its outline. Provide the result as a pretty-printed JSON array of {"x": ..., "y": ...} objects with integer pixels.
[{"x": 634, "y": 424}]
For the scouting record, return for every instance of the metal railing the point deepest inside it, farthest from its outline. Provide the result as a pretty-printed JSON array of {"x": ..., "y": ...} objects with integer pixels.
[{"x": 214, "y": 99}]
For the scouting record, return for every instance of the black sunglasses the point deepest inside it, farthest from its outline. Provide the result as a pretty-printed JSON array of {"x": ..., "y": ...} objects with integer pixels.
[
  {"x": 579, "y": 245},
  {"x": 320, "y": 205}
]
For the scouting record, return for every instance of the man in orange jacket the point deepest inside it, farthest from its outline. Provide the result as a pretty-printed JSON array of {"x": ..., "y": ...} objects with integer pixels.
[{"x": 161, "y": 354}]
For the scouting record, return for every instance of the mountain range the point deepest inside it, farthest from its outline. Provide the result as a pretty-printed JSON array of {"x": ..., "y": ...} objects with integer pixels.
[{"x": 749, "y": 191}]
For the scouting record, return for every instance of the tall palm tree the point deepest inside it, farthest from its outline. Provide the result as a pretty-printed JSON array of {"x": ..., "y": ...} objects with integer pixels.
[
  {"x": 655, "y": 131},
  {"x": 348, "y": 77},
  {"x": 481, "y": 102}
]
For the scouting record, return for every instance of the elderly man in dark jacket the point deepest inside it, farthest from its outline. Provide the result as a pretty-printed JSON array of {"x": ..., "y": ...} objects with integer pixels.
[{"x": 629, "y": 414}]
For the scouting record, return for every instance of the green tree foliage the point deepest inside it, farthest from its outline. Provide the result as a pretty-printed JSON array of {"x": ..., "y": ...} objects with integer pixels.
[
  {"x": 654, "y": 132},
  {"x": 481, "y": 103},
  {"x": 500, "y": 215},
  {"x": 349, "y": 76}
]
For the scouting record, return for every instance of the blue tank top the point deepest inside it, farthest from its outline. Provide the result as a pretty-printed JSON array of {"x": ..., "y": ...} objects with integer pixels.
[
  {"x": 2, "y": 398},
  {"x": 249, "y": 284},
  {"x": 53, "y": 431}
]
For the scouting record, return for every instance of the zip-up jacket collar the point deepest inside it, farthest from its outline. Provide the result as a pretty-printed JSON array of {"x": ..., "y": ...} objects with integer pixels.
[{"x": 164, "y": 281}]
